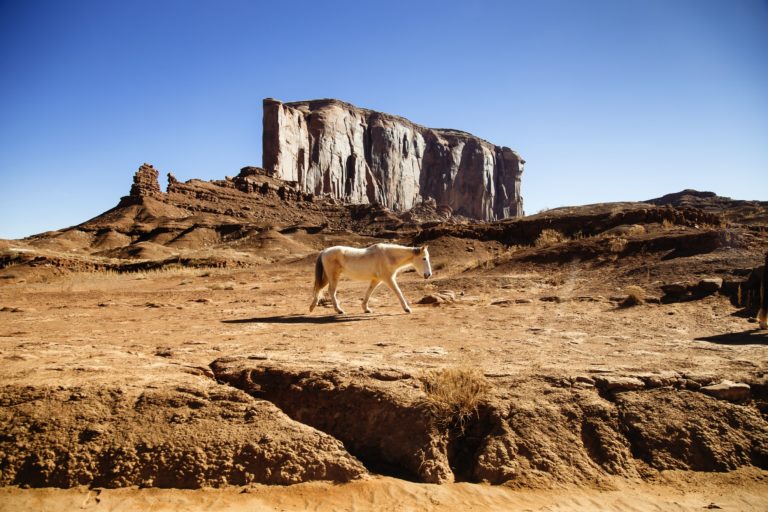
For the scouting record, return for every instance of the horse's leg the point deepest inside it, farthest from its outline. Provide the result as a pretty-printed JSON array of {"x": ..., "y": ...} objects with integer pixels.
[
  {"x": 333, "y": 280},
  {"x": 374, "y": 284},
  {"x": 316, "y": 298},
  {"x": 393, "y": 286}
]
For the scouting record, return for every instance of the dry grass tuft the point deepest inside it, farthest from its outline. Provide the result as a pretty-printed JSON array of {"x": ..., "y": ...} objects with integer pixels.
[
  {"x": 635, "y": 296},
  {"x": 549, "y": 237},
  {"x": 453, "y": 394}
]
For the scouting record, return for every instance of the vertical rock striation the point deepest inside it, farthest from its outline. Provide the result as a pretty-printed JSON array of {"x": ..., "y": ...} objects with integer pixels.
[{"x": 331, "y": 147}]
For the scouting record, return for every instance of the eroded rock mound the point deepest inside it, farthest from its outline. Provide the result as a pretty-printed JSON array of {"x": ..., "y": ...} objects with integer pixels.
[
  {"x": 188, "y": 436},
  {"x": 534, "y": 433}
]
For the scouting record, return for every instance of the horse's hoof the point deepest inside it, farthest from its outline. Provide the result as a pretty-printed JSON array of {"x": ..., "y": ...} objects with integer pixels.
[
  {"x": 408, "y": 310},
  {"x": 367, "y": 310}
]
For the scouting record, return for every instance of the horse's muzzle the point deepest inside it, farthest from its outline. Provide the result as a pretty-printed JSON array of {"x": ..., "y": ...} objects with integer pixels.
[{"x": 427, "y": 275}]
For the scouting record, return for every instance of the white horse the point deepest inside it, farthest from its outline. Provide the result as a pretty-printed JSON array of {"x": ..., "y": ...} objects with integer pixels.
[{"x": 377, "y": 264}]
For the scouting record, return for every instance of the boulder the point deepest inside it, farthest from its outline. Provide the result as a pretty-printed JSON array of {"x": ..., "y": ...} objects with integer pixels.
[
  {"x": 728, "y": 390},
  {"x": 708, "y": 286}
]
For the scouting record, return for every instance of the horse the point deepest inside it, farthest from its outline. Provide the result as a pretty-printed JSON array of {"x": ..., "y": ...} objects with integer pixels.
[{"x": 376, "y": 264}]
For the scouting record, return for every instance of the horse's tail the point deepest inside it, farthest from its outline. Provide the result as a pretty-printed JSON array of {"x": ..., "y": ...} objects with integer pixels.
[
  {"x": 762, "y": 315},
  {"x": 319, "y": 273},
  {"x": 320, "y": 281}
]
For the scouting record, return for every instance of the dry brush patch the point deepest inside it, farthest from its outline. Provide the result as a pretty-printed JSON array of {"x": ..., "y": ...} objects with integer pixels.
[
  {"x": 549, "y": 237},
  {"x": 453, "y": 395},
  {"x": 635, "y": 296}
]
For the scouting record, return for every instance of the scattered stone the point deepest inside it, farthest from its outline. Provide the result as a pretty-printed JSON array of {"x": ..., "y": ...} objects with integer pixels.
[
  {"x": 258, "y": 357},
  {"x": 552, "y": 298},
  {"x": 615, "y": 383},
  {"x": 92, "y": 432},
  {"x": 523, "y": 301},
  {"x": 675, "y": 289},
  {"x": 666, "y": 379},
  {"x": 389, "y": 375},
  {"x": 691, "y": 384},
  {"x": 8, "y": 309},
  {"x": 708, "y": 286},
  {"x": 590, "y": 298},
  {"x": 201, "y": 300},
  {"x": 502, "y": 302},
  {"x": 163, "y": 352},
  {"x": 441, "y": 297},
  {"x": 585, "y": 380},
  {"x": 728, "y": 390}
]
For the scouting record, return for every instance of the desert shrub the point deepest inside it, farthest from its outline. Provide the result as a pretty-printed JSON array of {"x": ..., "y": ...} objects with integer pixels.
[
  {"x": 453, "y": 394},
  {"x": 635, "y": 296},
  {"x": 549, "y": 237}
]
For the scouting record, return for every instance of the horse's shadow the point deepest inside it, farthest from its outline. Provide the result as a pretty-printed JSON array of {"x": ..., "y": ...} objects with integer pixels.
[
  {"x": 749, "y": 337},
  {"x": 300, "y": 319}
]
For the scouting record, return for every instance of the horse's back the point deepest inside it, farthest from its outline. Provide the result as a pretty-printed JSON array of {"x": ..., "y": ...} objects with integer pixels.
[{"x": 355, "y": 263}]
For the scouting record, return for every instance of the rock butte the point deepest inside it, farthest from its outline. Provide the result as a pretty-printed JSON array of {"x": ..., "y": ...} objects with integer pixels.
[{"x": 331, "y": 147}]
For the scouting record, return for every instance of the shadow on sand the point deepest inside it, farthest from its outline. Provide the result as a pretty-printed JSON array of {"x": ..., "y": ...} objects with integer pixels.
[
  {"x": 300, "y": 319},
  {"x": 750, "y": 337}
]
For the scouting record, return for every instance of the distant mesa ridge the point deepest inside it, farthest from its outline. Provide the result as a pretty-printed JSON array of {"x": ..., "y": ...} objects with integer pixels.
[{"x": 331, "y": 147}]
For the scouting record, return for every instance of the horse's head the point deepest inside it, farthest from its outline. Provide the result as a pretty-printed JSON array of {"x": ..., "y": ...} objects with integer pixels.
[{"x": 421, "y": 261}]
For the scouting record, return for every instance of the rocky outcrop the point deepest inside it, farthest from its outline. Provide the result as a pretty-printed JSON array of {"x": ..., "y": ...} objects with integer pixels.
[
  {"x": 145, "y": 182},
  {"x": 331, "y": 147}
]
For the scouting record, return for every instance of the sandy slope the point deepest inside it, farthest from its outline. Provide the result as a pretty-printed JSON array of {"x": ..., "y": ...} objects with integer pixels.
[{"x": 744, "y": 491}]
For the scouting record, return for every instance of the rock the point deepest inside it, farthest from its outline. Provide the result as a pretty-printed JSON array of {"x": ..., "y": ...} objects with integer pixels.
[
  {"x": 616, "y": 384},
  {"x": 708, "y": 286},
  {"x": 502, "y": 302},
  {"x": 552, "y": 298},
  {"x": 145, "y": 182},
  {"x": 523, "y": 301},
  {"x": 331, "y": 147},
  {"x": 675, "y": 289},
  {"x": 664, "y": 379},
  {"x": 441, "y": 297},
  {"x": 728, "y": 390}
]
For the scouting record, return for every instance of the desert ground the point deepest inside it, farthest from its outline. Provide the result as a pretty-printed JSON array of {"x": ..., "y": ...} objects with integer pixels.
[
  {"x": 543, "y": 336},
  {"x": 162, "y": 356}
]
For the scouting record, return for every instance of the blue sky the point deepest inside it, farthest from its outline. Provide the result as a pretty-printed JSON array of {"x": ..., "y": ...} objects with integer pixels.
[{"x": 607, "y": 100}]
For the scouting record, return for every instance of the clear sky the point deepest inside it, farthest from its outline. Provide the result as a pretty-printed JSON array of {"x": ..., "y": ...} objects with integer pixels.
[{"x": 607, "y": 100}]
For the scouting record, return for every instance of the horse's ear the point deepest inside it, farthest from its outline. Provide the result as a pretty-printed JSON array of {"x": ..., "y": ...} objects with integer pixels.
[{"x": 424, "y": 248}]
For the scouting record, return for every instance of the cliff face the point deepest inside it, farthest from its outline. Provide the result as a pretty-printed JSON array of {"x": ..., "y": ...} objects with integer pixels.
[{"x": 332, "y": 147}]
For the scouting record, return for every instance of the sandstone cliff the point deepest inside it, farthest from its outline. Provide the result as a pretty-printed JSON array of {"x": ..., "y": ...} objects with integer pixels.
[{"x": 331, "y": 147}]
